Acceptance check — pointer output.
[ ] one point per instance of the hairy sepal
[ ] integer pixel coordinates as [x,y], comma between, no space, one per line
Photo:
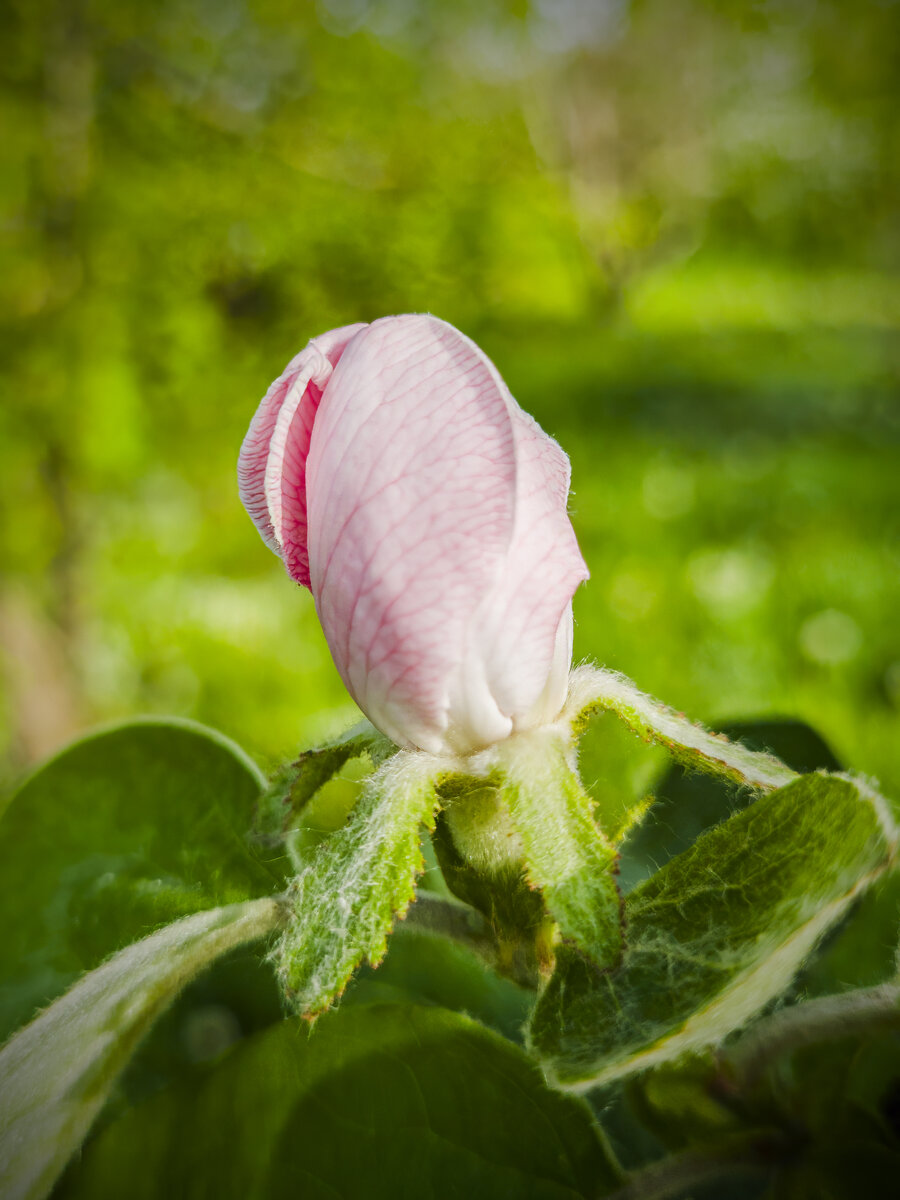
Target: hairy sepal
[344,901]
[595,689]
[295,784]
[566,855]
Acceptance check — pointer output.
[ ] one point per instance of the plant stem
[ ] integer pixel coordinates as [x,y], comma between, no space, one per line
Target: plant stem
[820,1020]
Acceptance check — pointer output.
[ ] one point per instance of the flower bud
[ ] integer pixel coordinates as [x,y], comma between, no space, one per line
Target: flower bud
[398,479]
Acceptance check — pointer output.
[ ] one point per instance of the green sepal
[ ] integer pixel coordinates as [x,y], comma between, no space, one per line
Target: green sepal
[503,895]
[718,932]
[481,860]
[294,784]
[343,903]
[595,689]
[566,855]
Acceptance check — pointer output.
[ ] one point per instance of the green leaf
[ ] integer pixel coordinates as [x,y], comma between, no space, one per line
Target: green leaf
[375,1102]
[593,689]
[239,995]
[123,831]
[343,903]
[718,932]
[566,855]
[295,784]
[56,1073]
[233,998]
[686,803]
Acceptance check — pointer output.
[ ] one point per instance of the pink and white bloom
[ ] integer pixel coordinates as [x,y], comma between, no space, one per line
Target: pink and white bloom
[397,478]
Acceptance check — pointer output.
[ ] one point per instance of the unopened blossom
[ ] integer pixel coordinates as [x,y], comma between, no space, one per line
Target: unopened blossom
[397,478]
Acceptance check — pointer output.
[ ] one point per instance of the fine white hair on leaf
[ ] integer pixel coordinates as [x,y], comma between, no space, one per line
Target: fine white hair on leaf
[881,806]
[345,900]
[732,1008]
[57,1072]
[719,932]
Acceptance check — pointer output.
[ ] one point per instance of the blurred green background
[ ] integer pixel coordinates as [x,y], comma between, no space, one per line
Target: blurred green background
[672,224]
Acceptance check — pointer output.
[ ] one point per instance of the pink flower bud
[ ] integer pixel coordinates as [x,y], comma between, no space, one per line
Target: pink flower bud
[398,479]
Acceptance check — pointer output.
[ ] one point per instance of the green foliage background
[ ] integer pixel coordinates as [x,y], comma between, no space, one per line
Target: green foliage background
[672,223]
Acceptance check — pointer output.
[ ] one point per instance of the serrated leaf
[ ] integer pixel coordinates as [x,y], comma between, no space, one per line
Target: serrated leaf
[592,689]
[718,932]
[56,1073]
[380,1102]
[344,902]
[567,856]
[127,829]
[295,784]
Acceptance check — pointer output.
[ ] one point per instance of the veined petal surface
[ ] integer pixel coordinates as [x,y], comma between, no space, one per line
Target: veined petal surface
[272,462]
[441,556]
[525,625]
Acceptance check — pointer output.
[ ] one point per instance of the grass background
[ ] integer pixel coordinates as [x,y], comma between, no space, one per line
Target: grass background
[672,224]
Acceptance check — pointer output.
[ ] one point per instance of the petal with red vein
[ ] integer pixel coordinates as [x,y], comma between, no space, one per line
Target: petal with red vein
[272,462]
[412,485]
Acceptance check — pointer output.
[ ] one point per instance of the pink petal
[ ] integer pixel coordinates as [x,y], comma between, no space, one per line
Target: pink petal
[272,462]
[440,553]
[519,624]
